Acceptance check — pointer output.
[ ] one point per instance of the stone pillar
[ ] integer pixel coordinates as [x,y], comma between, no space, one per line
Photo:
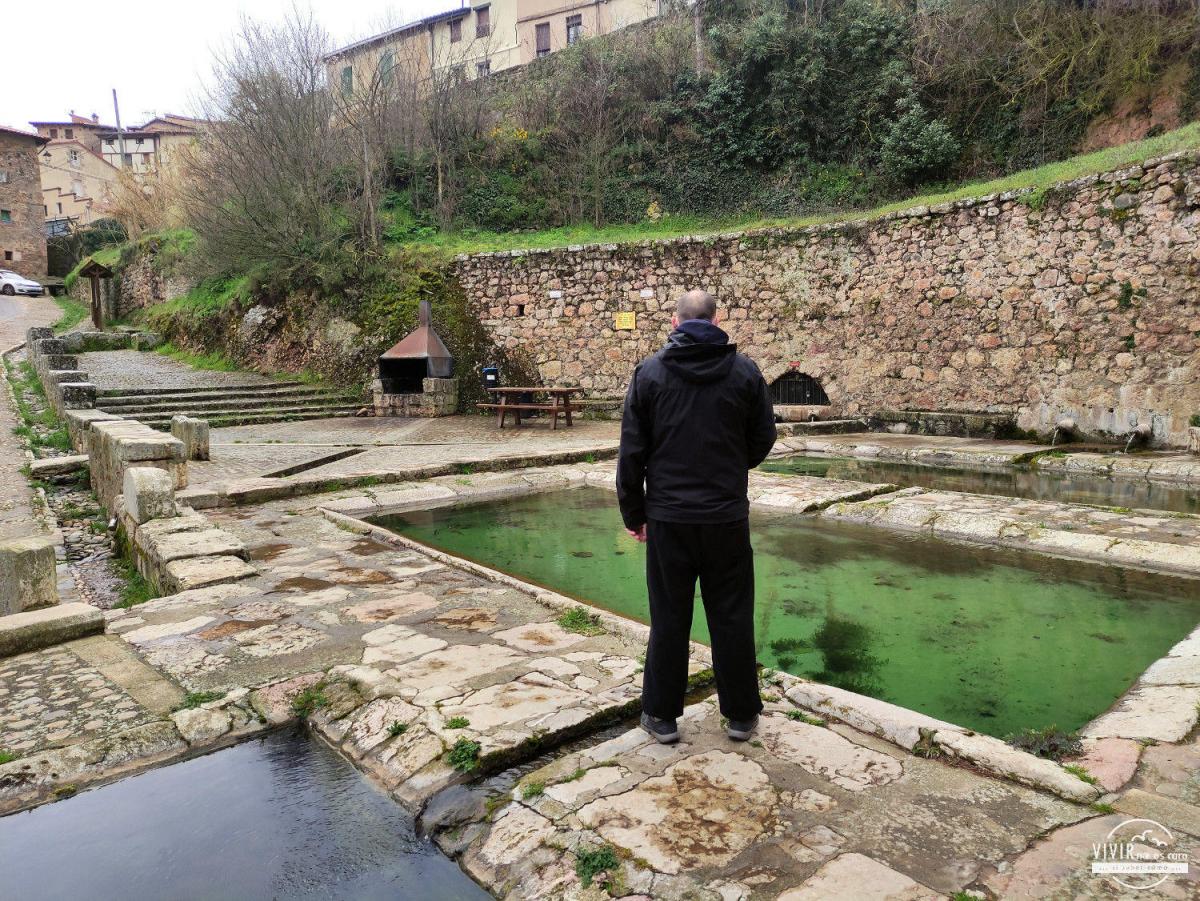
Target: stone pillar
[36,333]
[76,396]
[194,435]
[114,447]
[28,578]
[149,494]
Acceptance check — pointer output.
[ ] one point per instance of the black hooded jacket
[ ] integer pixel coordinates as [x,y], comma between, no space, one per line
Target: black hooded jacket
[697,419]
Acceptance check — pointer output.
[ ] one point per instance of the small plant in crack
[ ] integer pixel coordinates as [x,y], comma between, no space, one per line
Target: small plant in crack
[194,699]
[1051,743]
[464,756]
[591,862]
[800,716]
[1079,772]
[925,746]
[457,722]
[533,789]
[582,621]
[309,701]
[397,728]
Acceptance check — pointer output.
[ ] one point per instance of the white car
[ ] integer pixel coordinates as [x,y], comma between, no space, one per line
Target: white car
[11,283]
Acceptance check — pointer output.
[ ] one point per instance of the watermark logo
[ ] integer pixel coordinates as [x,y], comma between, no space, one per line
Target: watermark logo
[1139,854]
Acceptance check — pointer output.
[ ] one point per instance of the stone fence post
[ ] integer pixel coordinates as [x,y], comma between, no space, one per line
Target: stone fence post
[28,577]
[115,446]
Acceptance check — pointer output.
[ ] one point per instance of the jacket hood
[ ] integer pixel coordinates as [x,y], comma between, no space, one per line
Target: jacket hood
[698,351]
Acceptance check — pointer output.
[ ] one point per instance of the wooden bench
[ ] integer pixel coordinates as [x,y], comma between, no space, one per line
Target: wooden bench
[558,405]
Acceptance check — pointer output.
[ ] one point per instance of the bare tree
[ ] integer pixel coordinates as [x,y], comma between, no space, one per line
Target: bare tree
[267,184]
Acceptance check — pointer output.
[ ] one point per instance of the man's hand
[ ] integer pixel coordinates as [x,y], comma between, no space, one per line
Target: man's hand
[638,534]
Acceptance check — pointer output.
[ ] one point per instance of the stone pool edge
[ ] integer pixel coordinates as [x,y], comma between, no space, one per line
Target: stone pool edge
[909,729]
[1177,470]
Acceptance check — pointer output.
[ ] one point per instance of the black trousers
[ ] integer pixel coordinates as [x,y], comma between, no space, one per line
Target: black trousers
[721,557]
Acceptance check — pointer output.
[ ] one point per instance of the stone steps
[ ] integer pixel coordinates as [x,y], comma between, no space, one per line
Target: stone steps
[199,407]
[237,405]
[224,418]
[262,387]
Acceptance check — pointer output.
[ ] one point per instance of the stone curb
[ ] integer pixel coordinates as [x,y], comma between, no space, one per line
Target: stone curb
[36,629]
[926,736]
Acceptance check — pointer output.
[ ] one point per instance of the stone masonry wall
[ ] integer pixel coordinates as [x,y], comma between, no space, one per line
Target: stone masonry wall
[1080,301]
[140,285]
[23,223]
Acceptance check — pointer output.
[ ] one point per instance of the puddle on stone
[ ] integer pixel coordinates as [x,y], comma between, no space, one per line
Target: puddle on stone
[277,817]
[991,639]
[302,583]
[269,551]
[1022,482]
[366,547]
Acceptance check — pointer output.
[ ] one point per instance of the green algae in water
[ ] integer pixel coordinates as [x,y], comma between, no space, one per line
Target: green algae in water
[1024,482]
[992,640]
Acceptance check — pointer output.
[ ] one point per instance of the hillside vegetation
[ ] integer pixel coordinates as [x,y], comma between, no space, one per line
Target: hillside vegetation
[770,112]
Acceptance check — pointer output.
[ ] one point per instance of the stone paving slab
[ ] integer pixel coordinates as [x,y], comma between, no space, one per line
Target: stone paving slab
[711,818]
[1058,866]
[1161,542]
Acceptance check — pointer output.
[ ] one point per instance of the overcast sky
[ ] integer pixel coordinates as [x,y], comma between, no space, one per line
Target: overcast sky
[70,54]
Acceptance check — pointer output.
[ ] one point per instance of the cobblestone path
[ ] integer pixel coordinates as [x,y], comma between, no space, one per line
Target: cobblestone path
[16,515]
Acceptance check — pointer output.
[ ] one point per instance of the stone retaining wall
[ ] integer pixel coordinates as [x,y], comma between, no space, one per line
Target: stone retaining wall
[173,547]
[140,284]
[1078,301]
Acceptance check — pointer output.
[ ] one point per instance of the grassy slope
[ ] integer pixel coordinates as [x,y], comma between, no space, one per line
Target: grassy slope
[1185,138]
[73,312]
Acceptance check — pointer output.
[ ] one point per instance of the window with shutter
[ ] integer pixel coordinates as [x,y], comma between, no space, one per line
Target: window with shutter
[543,38]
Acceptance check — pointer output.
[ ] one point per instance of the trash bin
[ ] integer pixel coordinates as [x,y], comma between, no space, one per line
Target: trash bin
[491,376]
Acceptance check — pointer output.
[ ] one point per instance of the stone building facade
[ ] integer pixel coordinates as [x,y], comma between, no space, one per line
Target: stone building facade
[22,219]
[1082,300]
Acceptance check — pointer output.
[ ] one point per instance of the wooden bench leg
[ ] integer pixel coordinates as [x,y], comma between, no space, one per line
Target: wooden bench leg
[500,414]
[567,410]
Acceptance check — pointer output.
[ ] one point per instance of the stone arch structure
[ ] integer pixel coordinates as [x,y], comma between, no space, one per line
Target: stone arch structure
[794,387]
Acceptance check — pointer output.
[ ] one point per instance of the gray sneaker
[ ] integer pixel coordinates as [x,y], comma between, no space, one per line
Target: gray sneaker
[665,732]
[740,730]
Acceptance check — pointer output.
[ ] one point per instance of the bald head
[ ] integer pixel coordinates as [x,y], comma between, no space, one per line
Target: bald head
[696,304]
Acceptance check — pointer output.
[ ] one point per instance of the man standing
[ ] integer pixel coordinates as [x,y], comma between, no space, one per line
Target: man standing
[697,418]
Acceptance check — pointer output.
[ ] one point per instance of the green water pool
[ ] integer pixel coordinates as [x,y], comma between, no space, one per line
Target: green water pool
[1010,482]
[993,640]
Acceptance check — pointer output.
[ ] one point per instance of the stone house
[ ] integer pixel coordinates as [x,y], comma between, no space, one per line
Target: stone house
[76,181]
[480,38]
[22,219]
[150,146]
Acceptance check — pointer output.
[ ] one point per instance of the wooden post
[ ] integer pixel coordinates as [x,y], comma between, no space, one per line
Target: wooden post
[97,306]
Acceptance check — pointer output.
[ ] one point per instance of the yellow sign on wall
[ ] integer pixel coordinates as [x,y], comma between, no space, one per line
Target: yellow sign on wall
[625,320]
